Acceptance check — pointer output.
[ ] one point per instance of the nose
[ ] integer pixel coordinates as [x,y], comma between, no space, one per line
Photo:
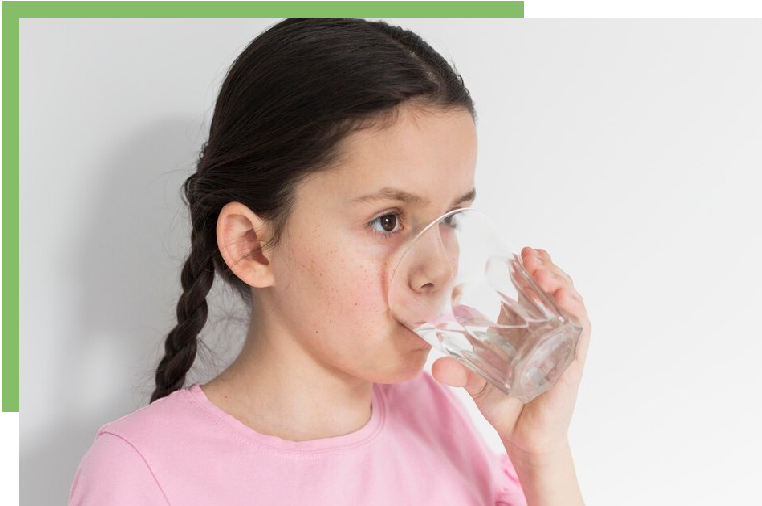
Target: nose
[433,264]
[421,286]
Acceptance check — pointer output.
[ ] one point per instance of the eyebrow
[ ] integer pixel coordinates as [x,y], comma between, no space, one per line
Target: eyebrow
[398,195]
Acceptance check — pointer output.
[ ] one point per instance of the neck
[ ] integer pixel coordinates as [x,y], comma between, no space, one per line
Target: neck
[276,388]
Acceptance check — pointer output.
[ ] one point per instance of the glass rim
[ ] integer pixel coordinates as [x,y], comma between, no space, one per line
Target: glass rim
[431,224]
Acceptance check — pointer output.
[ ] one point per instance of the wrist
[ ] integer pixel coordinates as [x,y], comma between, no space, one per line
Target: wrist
[542,456]
[547,478]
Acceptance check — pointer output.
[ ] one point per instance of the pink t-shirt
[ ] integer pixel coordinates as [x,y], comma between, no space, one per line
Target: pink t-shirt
[419,447]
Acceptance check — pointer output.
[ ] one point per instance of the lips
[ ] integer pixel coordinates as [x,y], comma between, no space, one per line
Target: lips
[416,337]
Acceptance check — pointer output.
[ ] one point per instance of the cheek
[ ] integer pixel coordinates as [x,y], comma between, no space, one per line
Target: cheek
[333,279]
[354,285]
[346,283]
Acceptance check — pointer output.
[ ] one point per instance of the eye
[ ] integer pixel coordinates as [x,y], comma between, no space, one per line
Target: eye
[388,223]
[452,220]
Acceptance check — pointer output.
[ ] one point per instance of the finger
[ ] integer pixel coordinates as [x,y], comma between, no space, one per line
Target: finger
[566,297]
[542,261]
[562,291]
[547,262]
[526,292]
[577,310]
[566,300]
[534,264]
[449,371]
[549,281]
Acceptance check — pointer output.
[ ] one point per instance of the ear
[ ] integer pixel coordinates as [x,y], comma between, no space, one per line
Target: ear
[240,235]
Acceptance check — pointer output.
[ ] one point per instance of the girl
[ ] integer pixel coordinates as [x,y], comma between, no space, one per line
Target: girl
[330,140]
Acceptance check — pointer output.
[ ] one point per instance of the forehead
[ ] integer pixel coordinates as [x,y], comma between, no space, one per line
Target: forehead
[426,152]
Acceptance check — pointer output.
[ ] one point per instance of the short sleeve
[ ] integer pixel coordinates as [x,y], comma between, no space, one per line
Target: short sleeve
[114,473]
[509,491]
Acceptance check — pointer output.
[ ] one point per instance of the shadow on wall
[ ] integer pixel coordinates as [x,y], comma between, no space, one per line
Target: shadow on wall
[125,282]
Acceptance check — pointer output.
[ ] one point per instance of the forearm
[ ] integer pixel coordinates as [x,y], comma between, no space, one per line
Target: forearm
[549,480]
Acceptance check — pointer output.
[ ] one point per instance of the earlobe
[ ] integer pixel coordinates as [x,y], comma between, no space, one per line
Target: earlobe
[240,235]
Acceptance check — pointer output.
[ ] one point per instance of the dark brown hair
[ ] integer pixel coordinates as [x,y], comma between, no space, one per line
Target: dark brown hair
[290,97]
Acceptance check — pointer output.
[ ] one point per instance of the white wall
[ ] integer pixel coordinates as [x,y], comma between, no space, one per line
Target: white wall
[629,149]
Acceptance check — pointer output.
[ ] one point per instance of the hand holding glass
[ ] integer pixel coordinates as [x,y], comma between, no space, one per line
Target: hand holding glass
[459,287]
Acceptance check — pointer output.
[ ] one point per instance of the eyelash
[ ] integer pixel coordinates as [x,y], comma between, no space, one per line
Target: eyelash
[399,216]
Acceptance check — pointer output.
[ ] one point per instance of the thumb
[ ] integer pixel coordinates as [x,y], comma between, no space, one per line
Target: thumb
[499,410]
[450,372]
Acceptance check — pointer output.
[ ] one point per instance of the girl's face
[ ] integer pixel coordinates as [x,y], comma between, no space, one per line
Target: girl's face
[350,224]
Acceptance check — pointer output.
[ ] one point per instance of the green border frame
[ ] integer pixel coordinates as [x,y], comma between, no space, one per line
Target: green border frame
[14,11]
[475,9]
[279,9]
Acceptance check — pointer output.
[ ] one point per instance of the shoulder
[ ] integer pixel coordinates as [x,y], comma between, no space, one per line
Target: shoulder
[153,425]
[120,465]
[114,472]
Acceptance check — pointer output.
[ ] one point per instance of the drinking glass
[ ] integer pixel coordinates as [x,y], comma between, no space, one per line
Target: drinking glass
[462,289]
